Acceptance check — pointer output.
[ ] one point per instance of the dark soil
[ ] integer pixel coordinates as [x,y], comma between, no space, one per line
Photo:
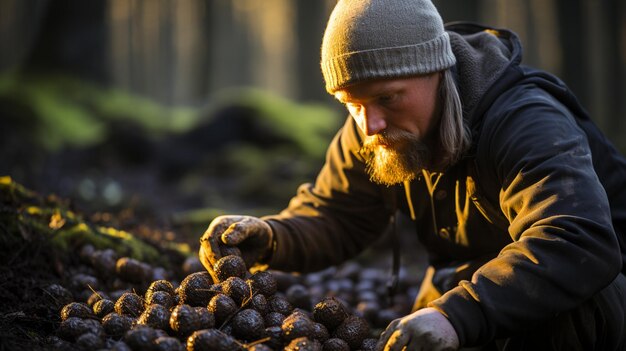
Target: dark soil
[31,261]
[27,312]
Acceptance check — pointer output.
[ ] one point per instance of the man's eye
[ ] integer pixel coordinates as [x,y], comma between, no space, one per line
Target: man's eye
[385,99]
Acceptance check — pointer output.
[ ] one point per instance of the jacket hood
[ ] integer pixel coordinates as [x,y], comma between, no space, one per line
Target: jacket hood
[483,56]
[489,63]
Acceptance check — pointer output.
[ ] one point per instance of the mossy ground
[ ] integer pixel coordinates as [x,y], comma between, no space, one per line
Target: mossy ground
[39,240]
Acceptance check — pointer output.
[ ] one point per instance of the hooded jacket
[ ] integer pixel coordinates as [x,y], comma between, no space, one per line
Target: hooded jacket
[529,224]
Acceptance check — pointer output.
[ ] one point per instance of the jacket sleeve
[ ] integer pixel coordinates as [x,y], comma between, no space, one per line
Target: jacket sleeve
[336,218]
[564,248]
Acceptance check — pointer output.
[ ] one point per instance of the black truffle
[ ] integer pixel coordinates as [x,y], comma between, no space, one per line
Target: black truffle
[330,312]
[194,289]
[230,266]
[248,325]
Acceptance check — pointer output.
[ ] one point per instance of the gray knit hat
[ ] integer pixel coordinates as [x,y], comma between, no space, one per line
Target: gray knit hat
[369,39]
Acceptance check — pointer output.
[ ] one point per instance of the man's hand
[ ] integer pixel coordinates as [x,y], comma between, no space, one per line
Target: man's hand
[251,235]
[425,329]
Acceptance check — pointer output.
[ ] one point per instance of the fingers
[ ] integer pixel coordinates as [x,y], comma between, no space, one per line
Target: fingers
[425,329]
[235,234]
[384,337]
[242,230]
[250,235]
[417,345]
[210,250]
[210,242]
[398,340]
[203,255]
[220,224]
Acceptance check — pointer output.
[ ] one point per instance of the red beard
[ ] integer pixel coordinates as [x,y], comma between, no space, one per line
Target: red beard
[395,156]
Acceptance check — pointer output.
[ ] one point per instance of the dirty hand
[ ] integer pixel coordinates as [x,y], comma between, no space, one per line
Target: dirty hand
[425,329]
[251,235]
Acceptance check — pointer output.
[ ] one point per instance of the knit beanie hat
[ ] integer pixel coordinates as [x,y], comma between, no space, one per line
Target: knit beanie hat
[371,39]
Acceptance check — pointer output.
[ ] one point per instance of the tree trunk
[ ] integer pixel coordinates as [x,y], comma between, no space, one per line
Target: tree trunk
[72,39]
[310,24]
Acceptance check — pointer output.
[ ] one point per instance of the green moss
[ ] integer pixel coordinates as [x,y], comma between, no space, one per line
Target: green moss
[118,104]
[12,191]
[72,112]
[33,215]
[64,122]
[310,126]
[76,235]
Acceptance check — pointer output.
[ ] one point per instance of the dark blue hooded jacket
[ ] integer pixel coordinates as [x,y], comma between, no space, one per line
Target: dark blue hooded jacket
[528,224]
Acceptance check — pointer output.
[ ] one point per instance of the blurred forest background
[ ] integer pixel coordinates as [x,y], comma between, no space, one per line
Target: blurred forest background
[179,110]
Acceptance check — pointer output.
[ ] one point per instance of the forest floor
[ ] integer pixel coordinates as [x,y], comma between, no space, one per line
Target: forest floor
[40,238]
[42,244]
[42,235]
[147,199]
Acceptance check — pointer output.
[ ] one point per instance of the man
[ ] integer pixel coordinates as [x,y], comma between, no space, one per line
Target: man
[518,198]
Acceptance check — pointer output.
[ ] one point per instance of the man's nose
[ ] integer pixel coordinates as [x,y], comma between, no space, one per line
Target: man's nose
[374,122]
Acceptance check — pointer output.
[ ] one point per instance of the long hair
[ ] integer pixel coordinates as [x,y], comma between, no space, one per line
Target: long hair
[454,135]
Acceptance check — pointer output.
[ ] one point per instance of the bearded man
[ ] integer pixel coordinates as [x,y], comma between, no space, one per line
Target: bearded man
[518,198]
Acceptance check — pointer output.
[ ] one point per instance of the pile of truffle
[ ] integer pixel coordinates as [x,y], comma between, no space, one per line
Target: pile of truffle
[240,311]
